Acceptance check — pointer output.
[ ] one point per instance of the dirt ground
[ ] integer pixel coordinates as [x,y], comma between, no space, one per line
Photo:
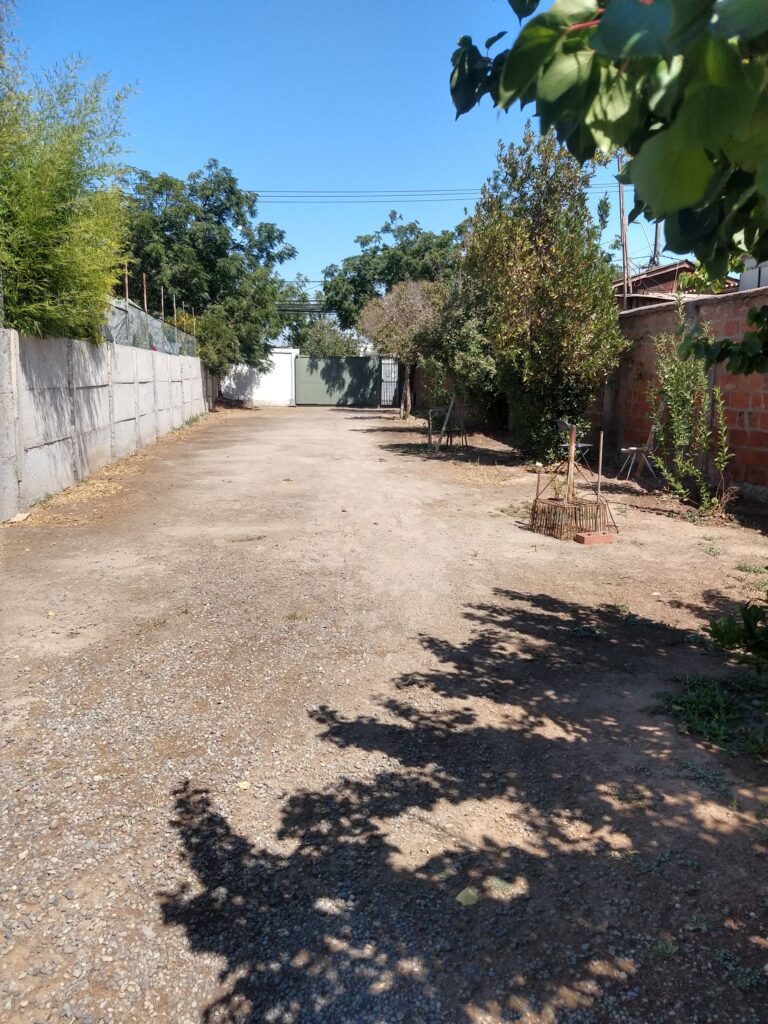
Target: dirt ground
[300,724]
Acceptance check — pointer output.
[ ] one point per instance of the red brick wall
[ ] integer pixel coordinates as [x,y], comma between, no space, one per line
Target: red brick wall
[622,409]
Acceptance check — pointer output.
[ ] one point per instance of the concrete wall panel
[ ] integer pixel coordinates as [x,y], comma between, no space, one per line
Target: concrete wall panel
[91,409]
[7,428]
[162,394]
[124,401]
[44,415]
[163,421]
[146,398]
[145,366]
[125,438]
[90,365]
[46,470]
[68,408]
[43,363]
[123,367]
[147,428]
[94,450]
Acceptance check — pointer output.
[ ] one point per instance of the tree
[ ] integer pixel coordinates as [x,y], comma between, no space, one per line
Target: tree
[323,337]
[200,240]
[62,231]
[542,289]
[218,346]
[399,324]
[396,252]
[456,356]
[681,86]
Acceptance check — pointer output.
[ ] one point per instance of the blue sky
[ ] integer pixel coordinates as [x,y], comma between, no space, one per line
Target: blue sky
[295,95]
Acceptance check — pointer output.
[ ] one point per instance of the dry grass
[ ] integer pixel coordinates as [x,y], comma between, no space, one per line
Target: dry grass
[478,473]
[83,502]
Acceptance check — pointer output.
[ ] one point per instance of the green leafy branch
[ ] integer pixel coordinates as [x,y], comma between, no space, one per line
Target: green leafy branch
[745,633]
[681,86]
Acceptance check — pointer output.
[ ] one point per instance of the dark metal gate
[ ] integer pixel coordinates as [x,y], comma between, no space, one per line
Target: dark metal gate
[390,383]
[363,381]
[338,380]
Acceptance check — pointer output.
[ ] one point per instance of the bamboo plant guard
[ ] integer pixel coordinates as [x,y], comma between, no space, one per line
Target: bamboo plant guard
[564,517]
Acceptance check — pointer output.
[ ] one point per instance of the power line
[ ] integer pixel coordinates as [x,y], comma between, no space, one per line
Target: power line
[366,191]
[382,195]
[385,199]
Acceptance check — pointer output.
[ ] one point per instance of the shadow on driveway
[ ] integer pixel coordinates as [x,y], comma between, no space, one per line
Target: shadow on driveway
[607,874]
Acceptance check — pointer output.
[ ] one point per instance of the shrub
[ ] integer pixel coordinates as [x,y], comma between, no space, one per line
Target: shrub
[745,633]
[62,225]
[684,409]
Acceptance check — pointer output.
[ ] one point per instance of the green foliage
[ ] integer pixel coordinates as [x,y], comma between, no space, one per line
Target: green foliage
[745,633]
[200,240]
[747,356]
[682,407]
[62,232]
[541,289]
[218,346]
[395,253]
[681,86]
[456,355]
[730,712]
[700,280]
[323,337]
[400,324]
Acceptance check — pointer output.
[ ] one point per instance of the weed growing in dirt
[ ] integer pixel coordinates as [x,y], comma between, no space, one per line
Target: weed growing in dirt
[665,948]
[753,569]
[714,780]
[619,609]
[746,633]
[742,976]
[732,713]
[588,632]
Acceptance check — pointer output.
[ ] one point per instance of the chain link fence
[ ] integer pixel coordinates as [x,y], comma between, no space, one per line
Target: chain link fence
[132,326]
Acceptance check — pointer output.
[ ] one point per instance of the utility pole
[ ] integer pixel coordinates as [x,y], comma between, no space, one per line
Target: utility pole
[656,258]
[127,306]
[162,303]
[144,286]
[624,252]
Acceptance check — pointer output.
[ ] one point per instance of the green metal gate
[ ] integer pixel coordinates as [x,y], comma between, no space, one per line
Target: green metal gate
[338,380]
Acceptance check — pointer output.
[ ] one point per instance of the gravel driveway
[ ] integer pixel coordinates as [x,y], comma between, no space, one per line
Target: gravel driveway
[300,726]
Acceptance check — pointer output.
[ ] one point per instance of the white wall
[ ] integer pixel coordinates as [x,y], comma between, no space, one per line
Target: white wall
[277,386]
[68,407]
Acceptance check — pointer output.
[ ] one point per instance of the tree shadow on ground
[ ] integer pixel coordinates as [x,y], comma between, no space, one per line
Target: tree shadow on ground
[605,877]
[478,455]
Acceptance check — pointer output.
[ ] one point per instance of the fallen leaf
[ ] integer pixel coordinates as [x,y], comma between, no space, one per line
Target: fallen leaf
[468,897]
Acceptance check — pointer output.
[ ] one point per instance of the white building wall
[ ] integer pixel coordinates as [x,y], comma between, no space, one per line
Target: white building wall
[276,386]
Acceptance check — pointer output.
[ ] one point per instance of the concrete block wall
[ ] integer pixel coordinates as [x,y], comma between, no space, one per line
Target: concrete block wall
[624,411]
[68,407]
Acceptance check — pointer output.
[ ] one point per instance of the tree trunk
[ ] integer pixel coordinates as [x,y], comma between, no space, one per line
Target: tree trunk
[405,399]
